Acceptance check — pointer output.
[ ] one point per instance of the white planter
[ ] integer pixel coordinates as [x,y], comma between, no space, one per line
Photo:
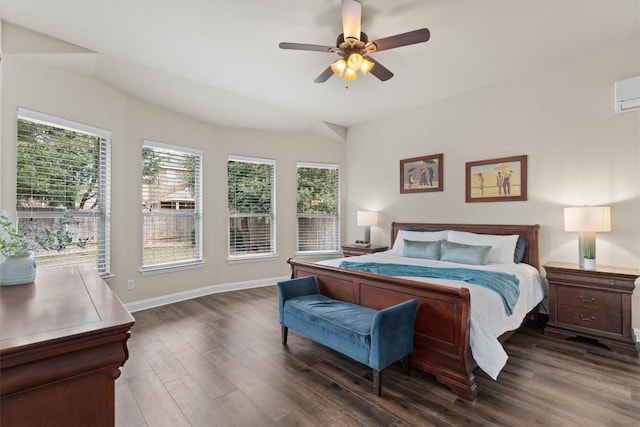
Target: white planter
[589,264]
[17,270]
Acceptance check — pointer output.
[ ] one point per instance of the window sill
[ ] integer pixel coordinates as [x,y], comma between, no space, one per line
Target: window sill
[251,258]
[160,269]
[320,254]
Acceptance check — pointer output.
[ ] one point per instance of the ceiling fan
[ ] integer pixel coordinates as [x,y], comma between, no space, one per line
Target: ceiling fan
[354,47]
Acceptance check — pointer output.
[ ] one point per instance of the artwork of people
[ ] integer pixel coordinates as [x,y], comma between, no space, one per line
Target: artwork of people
[497,179]
[421,174]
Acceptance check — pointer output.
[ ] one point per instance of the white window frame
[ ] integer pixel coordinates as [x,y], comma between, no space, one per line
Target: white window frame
[103,265]
[198,260]
[337,217]
[263,256]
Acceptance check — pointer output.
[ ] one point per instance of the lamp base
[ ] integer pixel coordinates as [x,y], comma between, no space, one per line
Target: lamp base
[367,234]
[586,246]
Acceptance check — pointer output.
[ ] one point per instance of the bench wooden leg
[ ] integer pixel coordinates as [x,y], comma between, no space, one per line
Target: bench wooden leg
[377,382]
[284,332]
[406,365]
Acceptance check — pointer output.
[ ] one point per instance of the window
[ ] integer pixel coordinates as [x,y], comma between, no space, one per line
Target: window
[251,198]
[171,206]
[170,177]
[318,199]
[63,183]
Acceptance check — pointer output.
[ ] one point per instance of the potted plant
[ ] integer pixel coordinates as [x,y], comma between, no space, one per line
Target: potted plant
[589,258]
[18,268]
[17,245]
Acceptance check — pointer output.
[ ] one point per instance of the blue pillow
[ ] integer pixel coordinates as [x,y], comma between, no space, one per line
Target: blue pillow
[464,254]
[424,250]
[521,247]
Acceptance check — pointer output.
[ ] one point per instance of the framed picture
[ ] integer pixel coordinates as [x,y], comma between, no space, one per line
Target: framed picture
[421,174]
[497,180]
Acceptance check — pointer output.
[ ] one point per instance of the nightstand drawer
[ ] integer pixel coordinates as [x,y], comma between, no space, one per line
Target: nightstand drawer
[590,280]
[588,298]
[354,251]
[357,250]
[592,319]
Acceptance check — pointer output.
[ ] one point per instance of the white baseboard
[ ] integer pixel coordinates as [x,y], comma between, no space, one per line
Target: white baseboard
[200,292]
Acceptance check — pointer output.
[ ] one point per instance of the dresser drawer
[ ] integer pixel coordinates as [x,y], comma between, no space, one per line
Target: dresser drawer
[589,318]
[588,298]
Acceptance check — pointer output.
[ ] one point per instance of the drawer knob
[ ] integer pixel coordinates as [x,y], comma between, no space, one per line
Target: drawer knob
[587,318]
[613,282]
[587,300]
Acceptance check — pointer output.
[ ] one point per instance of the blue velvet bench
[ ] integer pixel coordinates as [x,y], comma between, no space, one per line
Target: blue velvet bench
[376,338]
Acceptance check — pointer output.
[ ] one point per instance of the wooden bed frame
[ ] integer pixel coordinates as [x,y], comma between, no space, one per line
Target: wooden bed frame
[441,344]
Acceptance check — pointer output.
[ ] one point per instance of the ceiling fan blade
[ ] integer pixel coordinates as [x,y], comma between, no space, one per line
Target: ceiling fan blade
[324,76]
[404,39]
[379,70]
[351,18]
[303,46]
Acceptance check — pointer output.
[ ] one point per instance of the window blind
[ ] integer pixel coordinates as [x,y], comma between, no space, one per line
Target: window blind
[171,206]
[251,206]
[318,207]
[63,186]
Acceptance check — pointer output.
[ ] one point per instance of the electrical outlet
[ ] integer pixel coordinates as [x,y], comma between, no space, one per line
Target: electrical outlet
[131,284]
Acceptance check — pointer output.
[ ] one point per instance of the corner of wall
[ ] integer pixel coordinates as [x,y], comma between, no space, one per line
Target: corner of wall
[331,130]
[1,84]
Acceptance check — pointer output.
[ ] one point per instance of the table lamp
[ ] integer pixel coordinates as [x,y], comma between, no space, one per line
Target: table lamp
[587,220]
[367,219]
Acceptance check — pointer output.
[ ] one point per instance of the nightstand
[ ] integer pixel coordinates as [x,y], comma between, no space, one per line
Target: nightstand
[355,250]
[594,304]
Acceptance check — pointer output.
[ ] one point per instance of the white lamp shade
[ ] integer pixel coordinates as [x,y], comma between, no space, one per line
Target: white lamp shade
[366,66]
[367,218]
[350,74]
[339,66]
[355,61]
[587,218]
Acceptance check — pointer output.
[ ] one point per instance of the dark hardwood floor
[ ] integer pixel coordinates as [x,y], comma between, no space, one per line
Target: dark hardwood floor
[218,361]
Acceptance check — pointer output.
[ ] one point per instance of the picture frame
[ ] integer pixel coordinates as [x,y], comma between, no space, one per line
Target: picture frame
[421,174]
[497,180]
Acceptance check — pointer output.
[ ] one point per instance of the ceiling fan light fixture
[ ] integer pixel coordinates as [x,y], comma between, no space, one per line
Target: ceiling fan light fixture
[355,61]
[339,67]
[350,74]
[353,47]
[366,66]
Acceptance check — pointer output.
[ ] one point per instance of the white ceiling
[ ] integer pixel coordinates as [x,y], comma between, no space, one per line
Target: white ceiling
[219,61]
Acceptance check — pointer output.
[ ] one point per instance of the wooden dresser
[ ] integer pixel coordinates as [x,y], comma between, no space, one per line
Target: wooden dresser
[593,304]
[63,340]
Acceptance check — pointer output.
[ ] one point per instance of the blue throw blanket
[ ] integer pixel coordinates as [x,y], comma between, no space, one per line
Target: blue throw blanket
[504,284]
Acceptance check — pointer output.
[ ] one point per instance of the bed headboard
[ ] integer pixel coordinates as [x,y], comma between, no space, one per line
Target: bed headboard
[528,232]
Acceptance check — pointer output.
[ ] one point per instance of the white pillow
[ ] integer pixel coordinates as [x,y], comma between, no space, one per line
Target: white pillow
[416,236]
[502,247]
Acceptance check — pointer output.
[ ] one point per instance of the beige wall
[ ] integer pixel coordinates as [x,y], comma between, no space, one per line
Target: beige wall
[82,99]
[579,152]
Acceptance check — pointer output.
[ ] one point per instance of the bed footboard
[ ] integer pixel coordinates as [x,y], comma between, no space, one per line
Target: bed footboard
[441,341]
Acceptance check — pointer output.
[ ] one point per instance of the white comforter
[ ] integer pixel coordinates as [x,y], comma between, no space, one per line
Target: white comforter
[488,317]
